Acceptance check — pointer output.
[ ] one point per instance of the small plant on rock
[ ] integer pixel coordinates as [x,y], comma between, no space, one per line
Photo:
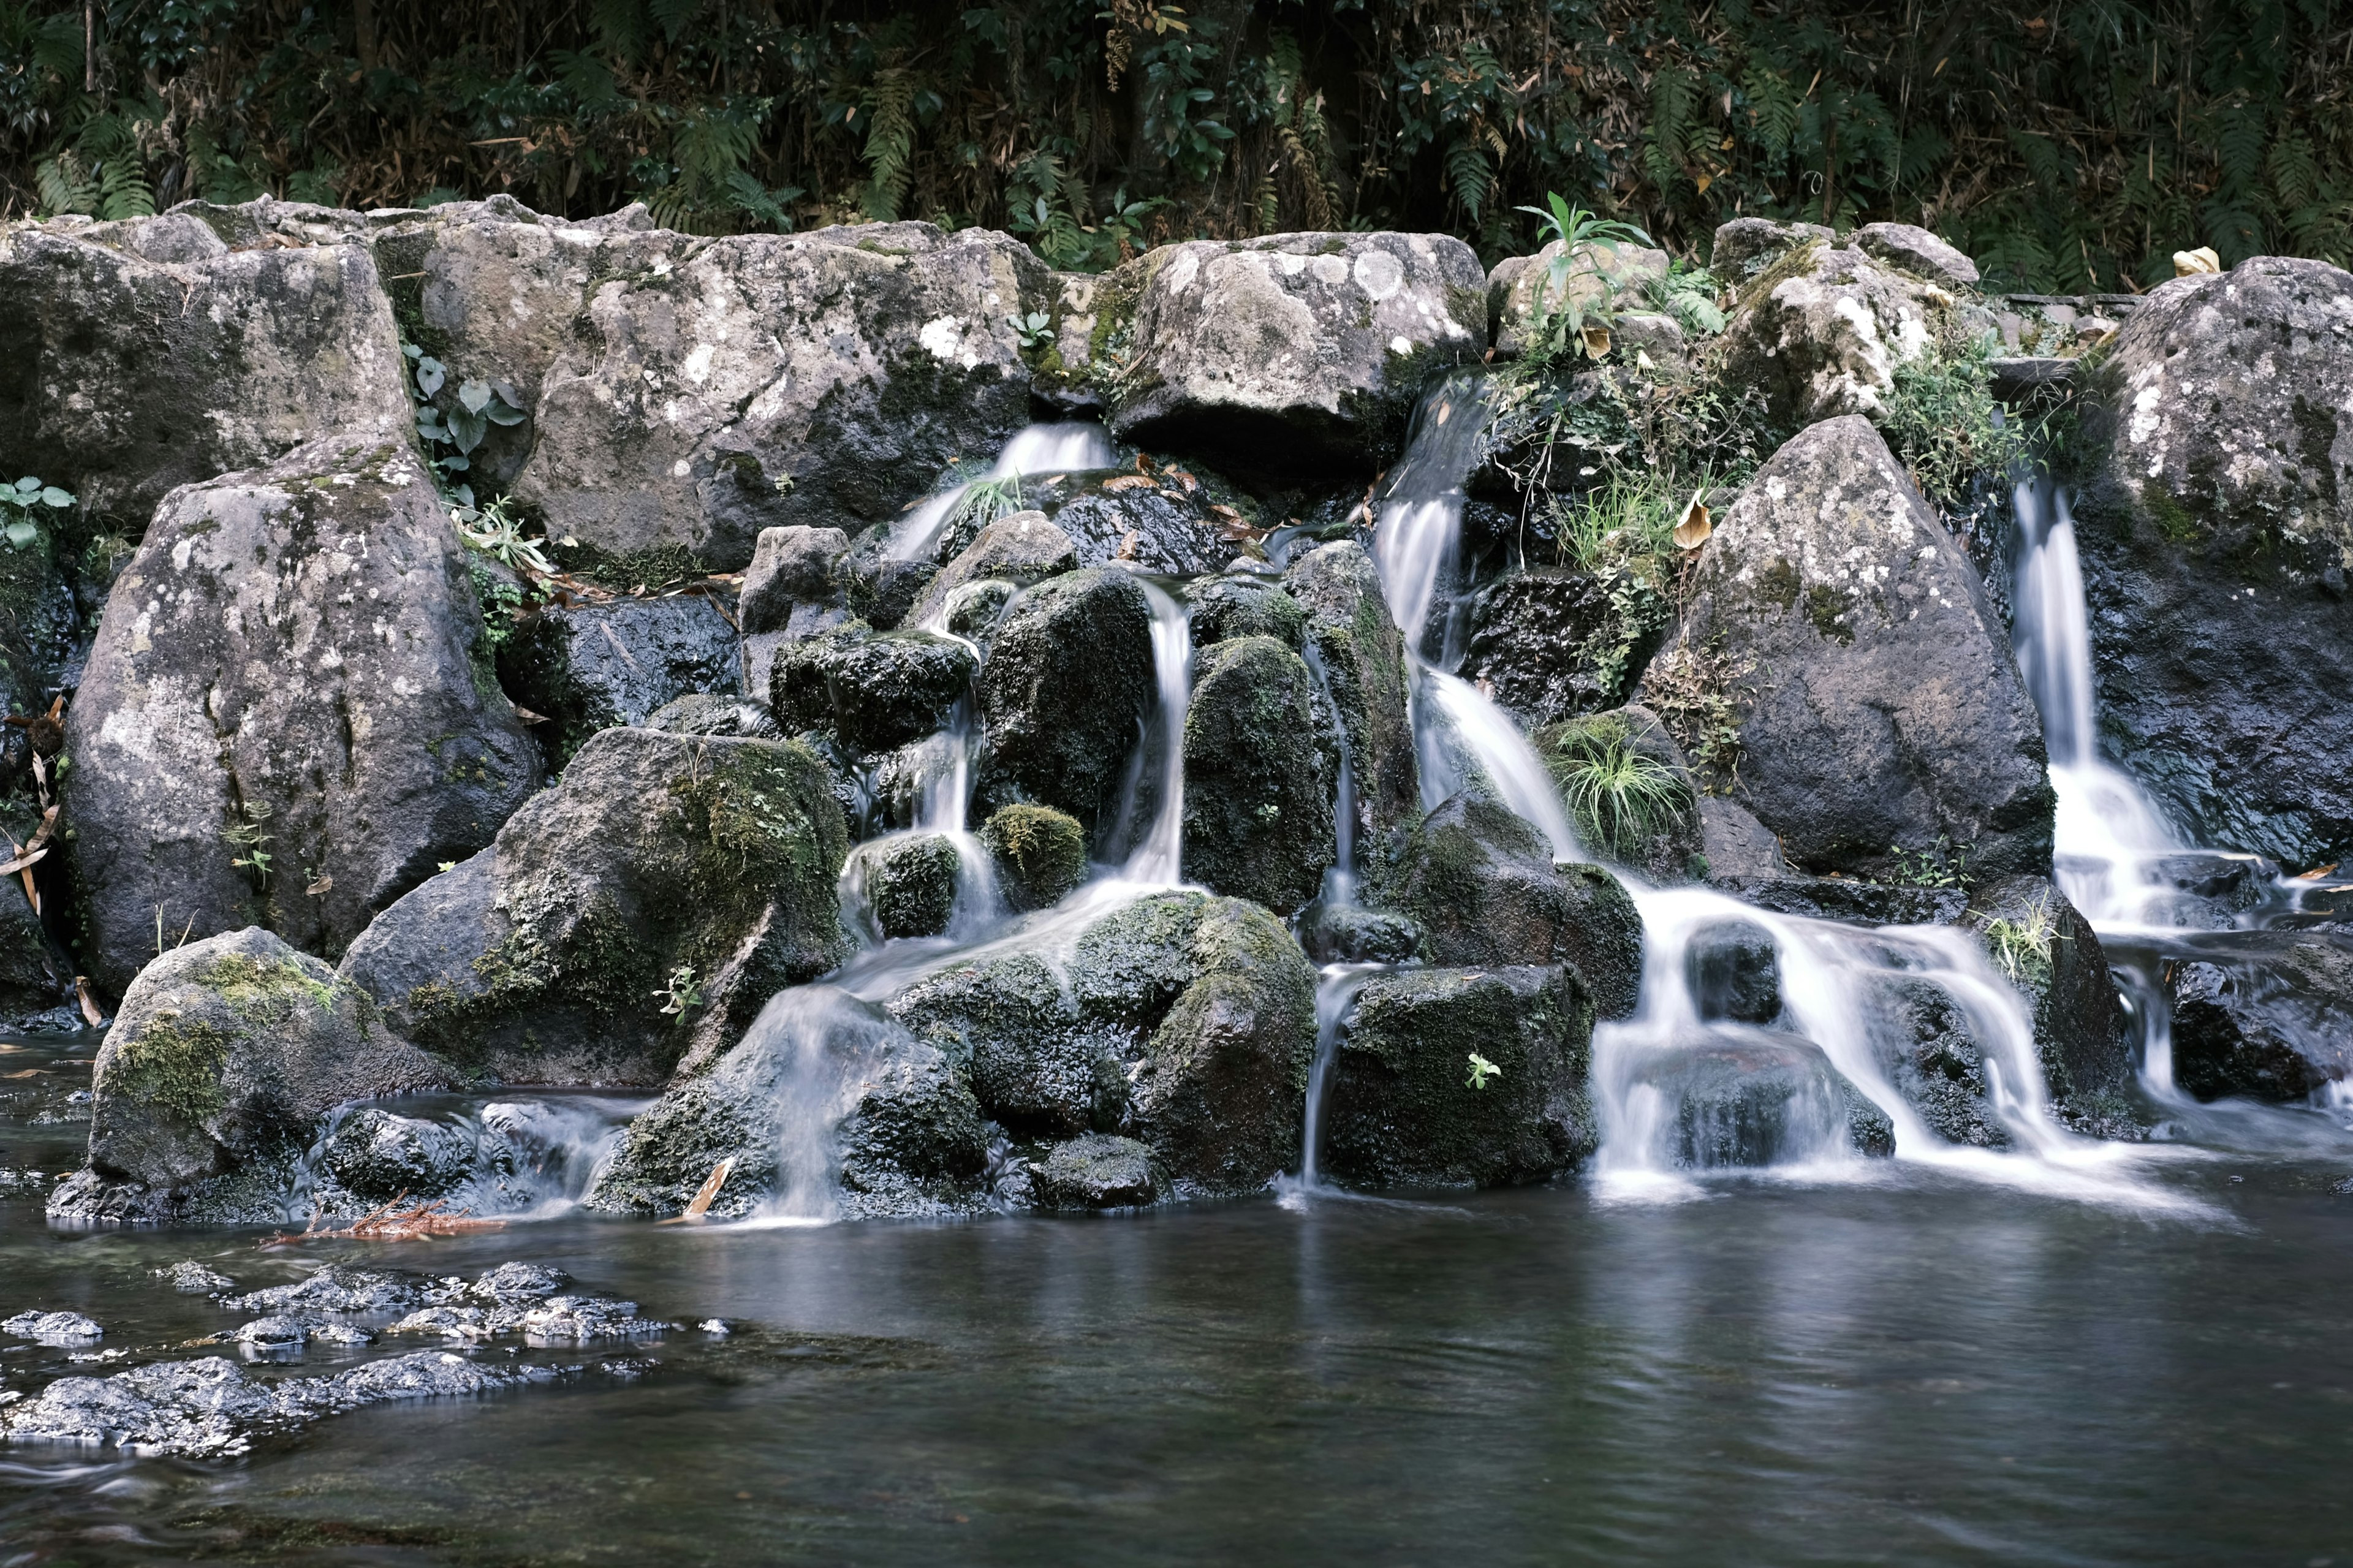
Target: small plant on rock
[1939,866]
[2021,943]
[1695,690]
[23,508]
[1482,1071]
[1572,323]
[683,991]
[251,840]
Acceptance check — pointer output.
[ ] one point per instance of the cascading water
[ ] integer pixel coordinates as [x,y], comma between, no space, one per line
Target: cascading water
[1067,446]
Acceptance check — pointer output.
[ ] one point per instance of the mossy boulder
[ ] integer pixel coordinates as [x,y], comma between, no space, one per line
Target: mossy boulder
[1038,1065]
[910,882]
[289,717]
[1067,684]
[1096,1172]
[1258,788]
[1240,605]
[1040,853]
[1018,550]
[824,1106]
[1483,886]
[1362,652]
[868,691]
[586,668]
[551,957]
[1403,1110]
[222,1056]
[1820,331]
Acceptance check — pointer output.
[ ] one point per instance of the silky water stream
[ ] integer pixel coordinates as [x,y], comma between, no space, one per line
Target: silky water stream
[1780,1351]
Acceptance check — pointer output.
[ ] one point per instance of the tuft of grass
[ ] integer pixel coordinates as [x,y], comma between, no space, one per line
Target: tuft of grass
[1619,797]
[2022,944]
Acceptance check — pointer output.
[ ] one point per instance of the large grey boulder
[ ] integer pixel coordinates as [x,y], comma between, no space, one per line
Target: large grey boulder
[1065,691]
[1257,787]
[1919,252]
[2271,1019]
[287,718]
[825,1107]
[1822,330]
[127,376]
[1892,716]
[222,1056]
[2216,533]
[761,381]
[1402,1109]
[1744,246]
[1362,655]
[1483,886]
[1295,349]
[586,668]
[648,905]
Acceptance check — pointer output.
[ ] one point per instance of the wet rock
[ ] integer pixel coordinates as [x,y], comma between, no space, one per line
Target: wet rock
[1521,291]
[191,1277]
[587,668]
[1532,646]
[1735,846]
[1401,1110]
[1347,934]
[1036,1066]
[512,1282]
[223,1053]
[1295,349]
[1097,1172]
[336,1288]
[378,1156]
[1822,329]
[1040,853]
[2273,1021]
[882,589]
[870,691]
[2216,534]
[129,375]
[762,380]
[587,1319]
[1227,608]
[911,883]
[289,675]
[1923,1040]
[1849,901]
[1258,795]
[288,1333]
[1895,716]
[2045,947]
[1919,252]
[1156,526]
[1746,245]
[1067,684]
[820,1073]
[552,956]
[733,718]
[1020,548]
[1483,887]
[1363,657]
[1759,1098]
[211,1408]
[36,989]
[53,1328]
[1732,971]
[794,585]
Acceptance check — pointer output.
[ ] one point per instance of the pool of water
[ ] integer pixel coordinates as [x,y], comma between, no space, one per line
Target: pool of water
[1913,1368]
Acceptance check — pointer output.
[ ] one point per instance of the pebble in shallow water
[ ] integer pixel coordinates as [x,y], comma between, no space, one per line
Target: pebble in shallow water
[292,1331]
[53,1328]
[194,1277]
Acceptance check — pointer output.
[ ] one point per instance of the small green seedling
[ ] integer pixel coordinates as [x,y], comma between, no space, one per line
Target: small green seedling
[1481,1069]
[684,991]
[19,505]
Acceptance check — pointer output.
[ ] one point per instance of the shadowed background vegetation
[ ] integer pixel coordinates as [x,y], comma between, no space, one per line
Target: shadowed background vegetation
[2068,144]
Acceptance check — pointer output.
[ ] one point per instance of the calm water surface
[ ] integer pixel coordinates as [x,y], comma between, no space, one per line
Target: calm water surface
[1917,1370]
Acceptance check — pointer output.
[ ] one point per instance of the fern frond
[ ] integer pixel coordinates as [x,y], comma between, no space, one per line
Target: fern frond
[66,185]
[123,191]
[1466,172]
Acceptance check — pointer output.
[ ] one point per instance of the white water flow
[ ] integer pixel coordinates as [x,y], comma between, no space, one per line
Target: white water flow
[816,1047]
[2110,835]
[1417,543]
[1065,446]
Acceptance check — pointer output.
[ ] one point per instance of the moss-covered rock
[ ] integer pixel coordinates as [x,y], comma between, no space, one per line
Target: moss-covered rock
[222,1056]
[824,1106]
[1018,549]
[910,883]
[1258,790]
[1483,887]
[1068,683]
[1096,1172]
[1363,657]
[1039,1066]
[1226,608]
[655,899]
[871,690]
[1403,1109]
[1040,853]
[1754,1098]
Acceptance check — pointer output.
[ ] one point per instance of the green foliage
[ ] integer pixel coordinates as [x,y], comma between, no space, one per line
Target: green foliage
[683,990]
[452,421]
[248,837]
[1696,691]
[497,533]
[2021,943]
[1944,424]
[2072,149]
[23,506]
[1941,864]
[1482,1071]
[1618,797]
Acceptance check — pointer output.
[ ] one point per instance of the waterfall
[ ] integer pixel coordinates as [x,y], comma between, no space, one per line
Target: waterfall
[1158,861]
[1417,544]
[817,1044]
[1065,446]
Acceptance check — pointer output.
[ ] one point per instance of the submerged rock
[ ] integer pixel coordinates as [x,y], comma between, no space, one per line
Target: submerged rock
[1040,853]
[1295,349]
[223,1056]
[149,355]
[1894,718]
[587,668]
[650,902]
[1401,1107]
[2273,1021]
[288,719]
[1485,890]
[1067,684]
[53,1328]
[1753,1098]
[1258,791]
[2216,535]
[767,380]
